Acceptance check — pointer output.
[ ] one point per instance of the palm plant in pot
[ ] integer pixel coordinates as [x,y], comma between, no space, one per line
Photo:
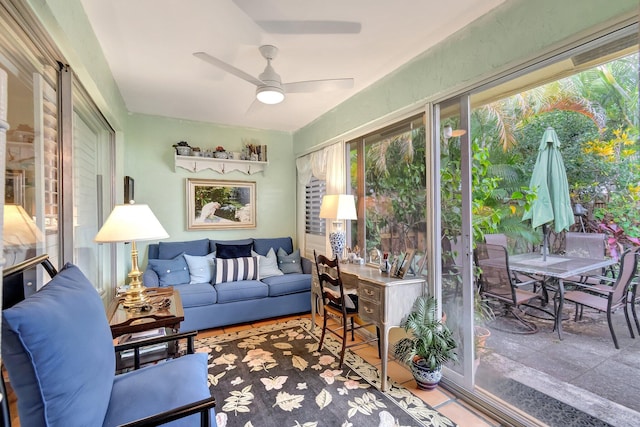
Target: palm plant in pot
[429,345]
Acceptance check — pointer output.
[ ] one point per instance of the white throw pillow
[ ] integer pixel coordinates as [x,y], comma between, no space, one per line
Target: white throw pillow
[268,265]
[201,268]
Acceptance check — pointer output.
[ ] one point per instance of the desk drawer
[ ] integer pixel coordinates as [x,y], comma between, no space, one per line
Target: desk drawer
[369,293]
[368,310]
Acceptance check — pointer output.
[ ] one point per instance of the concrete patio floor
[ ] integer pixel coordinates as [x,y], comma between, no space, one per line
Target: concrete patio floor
[583,370]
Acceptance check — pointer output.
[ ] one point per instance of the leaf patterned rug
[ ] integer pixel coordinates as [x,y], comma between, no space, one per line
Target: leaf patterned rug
[275,376]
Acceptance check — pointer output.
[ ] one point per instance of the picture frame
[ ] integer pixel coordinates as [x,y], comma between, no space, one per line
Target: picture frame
[405,264]
[128,190]
[216,204]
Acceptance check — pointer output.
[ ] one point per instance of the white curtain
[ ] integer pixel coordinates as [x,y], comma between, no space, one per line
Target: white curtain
[328,164]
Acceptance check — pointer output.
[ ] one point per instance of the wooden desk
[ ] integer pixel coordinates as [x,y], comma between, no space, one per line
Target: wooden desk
[382,300]
[124,321]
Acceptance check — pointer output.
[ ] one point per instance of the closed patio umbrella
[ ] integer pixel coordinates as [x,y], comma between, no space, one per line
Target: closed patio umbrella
[549,177]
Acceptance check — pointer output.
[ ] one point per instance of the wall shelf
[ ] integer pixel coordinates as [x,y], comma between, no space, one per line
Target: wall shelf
[196,164]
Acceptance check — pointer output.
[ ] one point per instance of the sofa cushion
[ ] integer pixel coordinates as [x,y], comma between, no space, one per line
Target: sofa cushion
[288,284]
[58,349]
[197,294]
[170,271]
[267,265]
[289,263]
[169,250]
[263,245]
[201,268]
[234,269]
[241,290]
[233,251]
[213,243]
[143,392]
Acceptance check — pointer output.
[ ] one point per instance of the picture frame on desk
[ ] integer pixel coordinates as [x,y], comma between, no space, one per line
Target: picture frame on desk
[405,265]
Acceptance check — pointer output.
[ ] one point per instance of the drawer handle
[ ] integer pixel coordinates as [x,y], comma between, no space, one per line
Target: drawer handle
[368,310]
[369,292]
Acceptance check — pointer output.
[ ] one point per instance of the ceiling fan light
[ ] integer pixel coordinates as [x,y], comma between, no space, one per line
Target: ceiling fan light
[270,94]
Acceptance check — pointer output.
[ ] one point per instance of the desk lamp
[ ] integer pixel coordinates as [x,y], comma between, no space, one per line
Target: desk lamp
[338,207]
[130,223]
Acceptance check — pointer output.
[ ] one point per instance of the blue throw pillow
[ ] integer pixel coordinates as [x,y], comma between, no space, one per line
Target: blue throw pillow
[289,263]
[233,251]
[201,268]
[267,265]
[58,350]
[171,271]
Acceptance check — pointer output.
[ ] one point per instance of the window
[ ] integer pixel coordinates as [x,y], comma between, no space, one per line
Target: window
[313,199]
[388,176]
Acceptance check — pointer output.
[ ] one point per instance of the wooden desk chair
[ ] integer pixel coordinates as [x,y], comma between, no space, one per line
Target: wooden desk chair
[340,303]
[609,299]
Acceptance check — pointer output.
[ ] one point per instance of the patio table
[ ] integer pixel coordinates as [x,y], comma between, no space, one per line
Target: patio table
[557,268]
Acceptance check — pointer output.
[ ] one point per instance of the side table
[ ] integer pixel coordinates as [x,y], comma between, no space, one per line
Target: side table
[165,312]
[169,315]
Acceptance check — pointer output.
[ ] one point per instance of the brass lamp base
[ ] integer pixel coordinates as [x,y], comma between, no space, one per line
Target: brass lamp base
[135,298]
[136,295]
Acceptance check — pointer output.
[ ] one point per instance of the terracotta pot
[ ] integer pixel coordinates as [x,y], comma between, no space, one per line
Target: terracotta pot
[480,335]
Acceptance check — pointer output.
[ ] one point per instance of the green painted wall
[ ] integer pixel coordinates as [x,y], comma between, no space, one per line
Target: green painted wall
[512,34]
[149,161]
[68,25]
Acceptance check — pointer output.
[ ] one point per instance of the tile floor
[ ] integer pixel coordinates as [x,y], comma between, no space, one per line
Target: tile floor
[439,399]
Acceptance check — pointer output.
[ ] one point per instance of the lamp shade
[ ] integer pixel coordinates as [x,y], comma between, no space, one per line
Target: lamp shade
[129,223]
[338,206]
[19,229]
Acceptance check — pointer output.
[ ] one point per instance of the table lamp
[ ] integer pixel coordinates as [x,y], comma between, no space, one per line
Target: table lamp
[338,207]
[19,231]
[130,223]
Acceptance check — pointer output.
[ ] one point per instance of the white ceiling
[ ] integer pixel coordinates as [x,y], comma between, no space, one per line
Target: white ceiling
[149,45]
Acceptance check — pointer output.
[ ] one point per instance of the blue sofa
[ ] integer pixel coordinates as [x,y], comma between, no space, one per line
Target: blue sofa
[216,303]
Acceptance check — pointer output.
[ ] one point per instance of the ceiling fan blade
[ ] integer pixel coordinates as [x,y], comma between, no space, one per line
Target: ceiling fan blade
[318,85]
[310,27]
[228,68]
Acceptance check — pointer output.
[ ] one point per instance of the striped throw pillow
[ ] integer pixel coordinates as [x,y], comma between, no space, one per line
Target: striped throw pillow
[233,269]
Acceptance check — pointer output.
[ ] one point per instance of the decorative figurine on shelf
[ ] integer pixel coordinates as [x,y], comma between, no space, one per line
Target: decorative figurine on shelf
[182,148]
[220,153]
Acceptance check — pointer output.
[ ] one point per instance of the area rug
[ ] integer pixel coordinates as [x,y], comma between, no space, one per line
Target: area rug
[275,376]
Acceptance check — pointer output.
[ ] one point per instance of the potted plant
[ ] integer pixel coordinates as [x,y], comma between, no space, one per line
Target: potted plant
[429,346]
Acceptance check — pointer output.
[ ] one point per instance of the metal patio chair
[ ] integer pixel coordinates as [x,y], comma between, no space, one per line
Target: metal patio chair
[609,299]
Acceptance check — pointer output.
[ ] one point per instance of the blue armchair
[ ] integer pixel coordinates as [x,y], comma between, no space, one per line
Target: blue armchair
[59,354]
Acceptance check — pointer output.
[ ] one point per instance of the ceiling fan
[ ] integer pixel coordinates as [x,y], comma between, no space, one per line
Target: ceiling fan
[269,86]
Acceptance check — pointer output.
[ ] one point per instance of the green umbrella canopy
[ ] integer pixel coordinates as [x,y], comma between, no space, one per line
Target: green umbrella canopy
[549,177]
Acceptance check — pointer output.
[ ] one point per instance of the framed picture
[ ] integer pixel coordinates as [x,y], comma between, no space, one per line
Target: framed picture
[406,263]
[128,190]
[213,204]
